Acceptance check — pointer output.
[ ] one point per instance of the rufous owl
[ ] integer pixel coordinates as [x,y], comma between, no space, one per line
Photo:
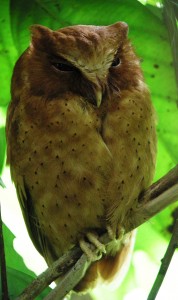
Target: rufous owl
[81,141]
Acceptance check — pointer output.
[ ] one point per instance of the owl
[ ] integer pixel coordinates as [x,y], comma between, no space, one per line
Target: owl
[81,142]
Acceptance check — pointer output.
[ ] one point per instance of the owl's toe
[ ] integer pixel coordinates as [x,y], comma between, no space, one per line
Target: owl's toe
[111,232]
[94,239]
[93,248]
[115,233]
[120,232]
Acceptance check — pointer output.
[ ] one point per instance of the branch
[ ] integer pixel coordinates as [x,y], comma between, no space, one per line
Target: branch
[157,197]
[72,277]
[58,268]
[73,264]
[165,263]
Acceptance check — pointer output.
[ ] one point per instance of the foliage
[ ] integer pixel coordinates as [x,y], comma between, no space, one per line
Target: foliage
[18,276]
[150,38]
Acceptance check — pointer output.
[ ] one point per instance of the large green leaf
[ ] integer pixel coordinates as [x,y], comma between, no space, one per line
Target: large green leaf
[2,147]
[13,259]
[17,282]
[19,277]
[8,53]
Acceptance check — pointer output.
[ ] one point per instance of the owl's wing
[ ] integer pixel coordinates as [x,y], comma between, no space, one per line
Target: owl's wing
[39,240]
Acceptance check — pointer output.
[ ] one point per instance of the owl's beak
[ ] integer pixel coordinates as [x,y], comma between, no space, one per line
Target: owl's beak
[97,87]
[98,95]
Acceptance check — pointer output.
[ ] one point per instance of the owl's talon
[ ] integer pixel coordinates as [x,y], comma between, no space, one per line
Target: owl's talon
[115,235]
[120,232]
[92,253]
[86,248]
[111,233]
[93,238]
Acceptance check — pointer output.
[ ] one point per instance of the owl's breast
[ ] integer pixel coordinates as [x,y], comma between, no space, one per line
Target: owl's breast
[82,171]
[66,165]
[130,135]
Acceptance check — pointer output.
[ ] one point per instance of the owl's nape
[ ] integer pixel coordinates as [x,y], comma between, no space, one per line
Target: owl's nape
[81,142]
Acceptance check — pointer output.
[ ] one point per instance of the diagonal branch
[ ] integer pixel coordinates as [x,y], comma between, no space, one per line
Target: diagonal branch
[76,273]
[58,268]
[157,197]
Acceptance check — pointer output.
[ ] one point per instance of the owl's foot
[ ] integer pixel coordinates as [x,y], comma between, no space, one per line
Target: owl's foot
[111,232]
[118,234]
[93,253]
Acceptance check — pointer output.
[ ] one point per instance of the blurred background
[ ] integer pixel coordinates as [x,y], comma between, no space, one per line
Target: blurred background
[153,30]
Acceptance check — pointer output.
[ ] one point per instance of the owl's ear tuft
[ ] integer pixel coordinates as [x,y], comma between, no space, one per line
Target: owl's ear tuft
[40,36]
[120,27]
[124,27]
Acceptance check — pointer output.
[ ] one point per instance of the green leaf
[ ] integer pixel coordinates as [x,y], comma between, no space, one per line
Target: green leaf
[13,259]
[18,275]
[2,147]
[8,53]
[18,281]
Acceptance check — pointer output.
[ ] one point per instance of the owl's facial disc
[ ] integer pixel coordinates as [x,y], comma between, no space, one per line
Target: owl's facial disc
[87,60]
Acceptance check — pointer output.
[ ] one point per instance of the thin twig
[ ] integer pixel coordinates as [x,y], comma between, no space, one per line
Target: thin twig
[170,21]
[3,272]
[165,263]
[157,197]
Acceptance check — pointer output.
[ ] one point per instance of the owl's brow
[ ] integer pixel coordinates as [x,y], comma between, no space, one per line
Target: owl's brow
[59,59]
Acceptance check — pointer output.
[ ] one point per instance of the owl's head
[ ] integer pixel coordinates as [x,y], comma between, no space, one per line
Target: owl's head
[91,61]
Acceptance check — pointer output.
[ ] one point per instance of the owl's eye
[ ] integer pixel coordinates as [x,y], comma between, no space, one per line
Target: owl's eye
[65,67]
[116,62]
[61,64]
